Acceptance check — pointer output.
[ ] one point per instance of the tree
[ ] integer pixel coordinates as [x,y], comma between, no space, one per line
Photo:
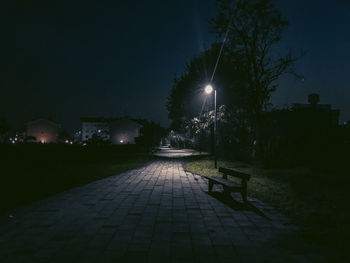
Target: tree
[97,139]
[4,130]
[254,27]
[151,134]
[63,135]
[186,96]
[234,132]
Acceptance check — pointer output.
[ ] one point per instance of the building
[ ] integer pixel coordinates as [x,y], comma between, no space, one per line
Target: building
[113,130]
[302,119]
[315,113]
[95,126]
[42,130]
[77,137]
[124,131]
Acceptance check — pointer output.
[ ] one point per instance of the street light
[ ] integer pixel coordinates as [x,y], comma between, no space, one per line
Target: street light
[209,89]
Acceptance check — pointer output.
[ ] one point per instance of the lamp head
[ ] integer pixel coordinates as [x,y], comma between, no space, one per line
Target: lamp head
[208,89]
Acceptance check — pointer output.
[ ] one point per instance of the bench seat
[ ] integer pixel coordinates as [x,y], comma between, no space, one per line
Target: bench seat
[230,186]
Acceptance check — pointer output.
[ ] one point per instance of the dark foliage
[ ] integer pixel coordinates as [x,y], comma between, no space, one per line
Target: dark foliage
[245,78]
[309,136]
[4,130]
[254,27]
[151,134]
[187,94]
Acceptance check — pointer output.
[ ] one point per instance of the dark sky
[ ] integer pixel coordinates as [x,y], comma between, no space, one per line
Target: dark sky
[322,29]
[111,58]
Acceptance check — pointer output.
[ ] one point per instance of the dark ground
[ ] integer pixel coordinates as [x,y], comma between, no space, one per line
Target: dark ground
[30,172]
[316,199]
[154,213]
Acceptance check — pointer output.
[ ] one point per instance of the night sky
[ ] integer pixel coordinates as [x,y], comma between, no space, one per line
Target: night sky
[114,58]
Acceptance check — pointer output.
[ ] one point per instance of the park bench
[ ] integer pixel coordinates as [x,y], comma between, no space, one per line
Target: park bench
[230,186]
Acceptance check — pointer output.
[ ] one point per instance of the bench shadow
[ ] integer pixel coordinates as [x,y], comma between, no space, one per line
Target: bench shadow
[236,205]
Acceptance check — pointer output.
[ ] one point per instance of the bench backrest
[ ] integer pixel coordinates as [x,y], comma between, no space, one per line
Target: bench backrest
[234,172]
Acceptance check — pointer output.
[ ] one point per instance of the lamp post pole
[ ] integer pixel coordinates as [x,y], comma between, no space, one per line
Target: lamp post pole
[215,118]
[209,89]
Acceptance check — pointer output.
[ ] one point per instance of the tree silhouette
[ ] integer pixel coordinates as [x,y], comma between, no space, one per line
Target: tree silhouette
[254,27]
[4,130]
[151,134]
[187,93]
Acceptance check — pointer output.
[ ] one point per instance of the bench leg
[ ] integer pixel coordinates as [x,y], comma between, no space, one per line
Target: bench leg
[244,196]
[244,192]
[227,191]
[210,186]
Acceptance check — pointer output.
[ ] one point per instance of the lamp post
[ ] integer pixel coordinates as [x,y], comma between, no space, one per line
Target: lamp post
[209,89]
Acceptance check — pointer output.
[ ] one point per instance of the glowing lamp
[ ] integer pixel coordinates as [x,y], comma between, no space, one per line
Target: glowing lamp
[208,89]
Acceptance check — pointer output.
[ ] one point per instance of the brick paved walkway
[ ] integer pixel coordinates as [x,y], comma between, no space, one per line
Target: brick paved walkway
[157,213]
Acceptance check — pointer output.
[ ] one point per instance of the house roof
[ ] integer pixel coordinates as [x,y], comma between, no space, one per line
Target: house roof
[43,119]
[110,120]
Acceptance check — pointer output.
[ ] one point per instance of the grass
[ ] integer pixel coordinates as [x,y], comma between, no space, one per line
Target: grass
[34,172]
[317,201]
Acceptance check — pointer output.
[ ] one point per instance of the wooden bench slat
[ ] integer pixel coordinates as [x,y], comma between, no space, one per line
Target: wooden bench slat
[235,173]
[230,186]
[222,181]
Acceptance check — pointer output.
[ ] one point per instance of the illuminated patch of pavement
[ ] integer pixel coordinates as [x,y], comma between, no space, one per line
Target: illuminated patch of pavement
[173,153]
[156,213]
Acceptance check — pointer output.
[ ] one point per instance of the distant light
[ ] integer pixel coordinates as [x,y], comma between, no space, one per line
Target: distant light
[99,131]
[66,141]
[84,144]
[13,141]
[121,141]
[208,89]
[71,142]
[16,139]
[42,141]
